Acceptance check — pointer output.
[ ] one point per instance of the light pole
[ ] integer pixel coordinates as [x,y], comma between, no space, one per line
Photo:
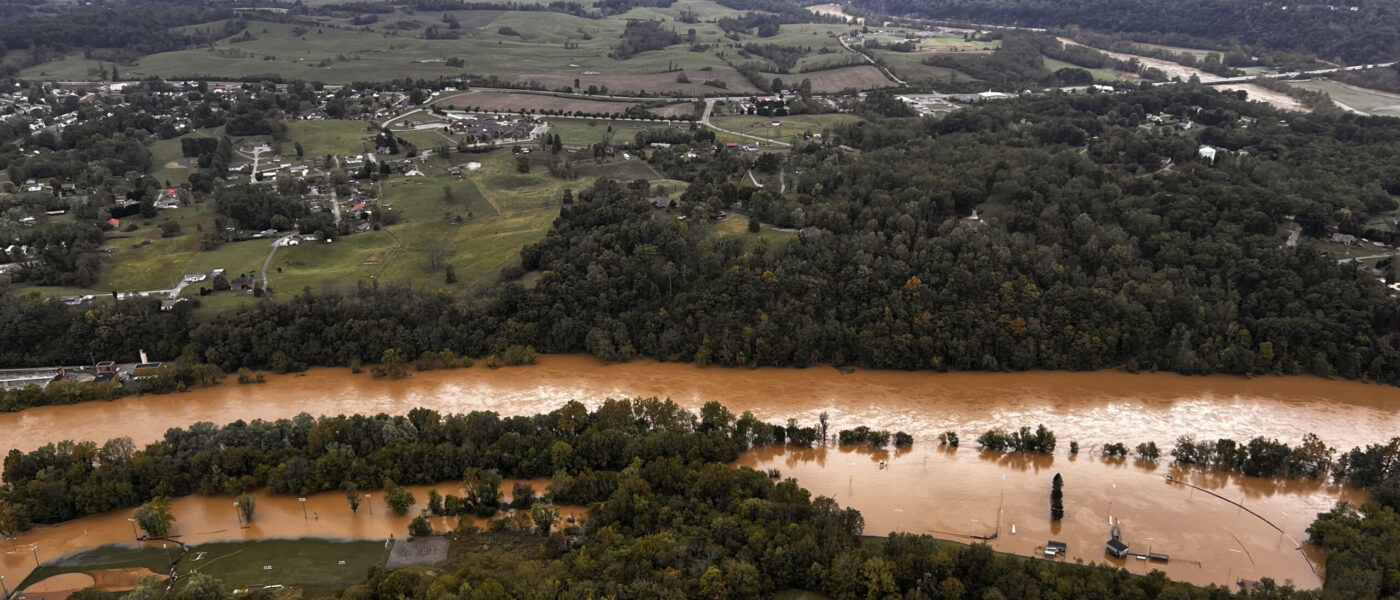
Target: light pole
[134,533]
[371,505]
[166,548]
[303,509]
[35,549]
[897,517]
[237,514]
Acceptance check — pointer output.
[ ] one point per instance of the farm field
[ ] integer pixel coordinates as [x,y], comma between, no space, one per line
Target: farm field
[551,48]
[508,102]
[1371,102]
[909,66]
[1106,75]
[835,80]
[659,83]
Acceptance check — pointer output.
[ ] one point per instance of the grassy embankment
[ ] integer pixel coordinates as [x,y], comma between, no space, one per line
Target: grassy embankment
[310,564]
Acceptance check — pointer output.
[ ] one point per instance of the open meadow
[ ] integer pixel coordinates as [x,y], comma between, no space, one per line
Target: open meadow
[1371,102]
[550,48]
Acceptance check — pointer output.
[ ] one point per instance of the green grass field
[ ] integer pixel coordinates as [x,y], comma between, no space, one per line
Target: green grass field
[1368,101]
[311,564]
[341,138]
[1105,75]
[789,126]
[544,44]
[909,66]
[586,132]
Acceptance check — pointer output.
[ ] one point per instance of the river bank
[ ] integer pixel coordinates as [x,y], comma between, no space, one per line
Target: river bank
[953,494]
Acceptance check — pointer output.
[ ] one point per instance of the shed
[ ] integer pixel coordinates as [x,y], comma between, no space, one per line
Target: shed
[1116,548]
[1054,548]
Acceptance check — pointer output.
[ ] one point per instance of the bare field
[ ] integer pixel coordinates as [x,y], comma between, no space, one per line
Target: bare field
[1267,96]
[673,111]
[663,83]
[835,80]
[501,101]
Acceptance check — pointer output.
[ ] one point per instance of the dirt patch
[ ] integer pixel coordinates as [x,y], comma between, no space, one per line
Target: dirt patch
[836,80]
[1172,69]
[174,164]
[67,582]
[501,101]
[417,551]
[665,83]
[118,579]
[374,259]
[1268,96]
[675,111]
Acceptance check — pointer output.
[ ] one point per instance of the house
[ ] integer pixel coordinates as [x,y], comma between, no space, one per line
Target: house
[1054,549]
[242,282]
[1206,153]
[1116,548]
[114,223]
[194,277]
[1343,238]
[661,202]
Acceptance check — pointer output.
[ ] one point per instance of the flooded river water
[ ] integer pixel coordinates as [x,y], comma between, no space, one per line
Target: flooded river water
[952,494]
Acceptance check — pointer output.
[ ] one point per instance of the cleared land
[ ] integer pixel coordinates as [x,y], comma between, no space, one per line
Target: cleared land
[788,126]
[585,132]
[909,66]
[502,101]
[835,80]
[341,138]
[1052,65]
[1364,100]
[659,83]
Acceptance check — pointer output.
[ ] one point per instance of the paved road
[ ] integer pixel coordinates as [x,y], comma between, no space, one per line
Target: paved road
[867,57]
[705,120]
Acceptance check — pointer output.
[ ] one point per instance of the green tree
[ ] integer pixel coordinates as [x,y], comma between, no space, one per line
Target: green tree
[204,587]
[246,505]
[398,498]
[300,153]
[1057,506]
[393,364]
[544,516]
[420,527]
[155,517]
[353,496]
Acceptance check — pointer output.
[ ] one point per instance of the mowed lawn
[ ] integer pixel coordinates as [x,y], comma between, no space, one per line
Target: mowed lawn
[586,132]
[341,138]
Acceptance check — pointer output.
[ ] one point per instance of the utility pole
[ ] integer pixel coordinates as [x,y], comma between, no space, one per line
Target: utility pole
[134,533]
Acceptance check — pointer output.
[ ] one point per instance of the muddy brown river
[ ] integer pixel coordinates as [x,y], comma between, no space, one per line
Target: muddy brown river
[952,494]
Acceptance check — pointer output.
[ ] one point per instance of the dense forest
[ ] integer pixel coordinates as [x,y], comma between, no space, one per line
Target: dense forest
[1104,240]
[1370,33]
